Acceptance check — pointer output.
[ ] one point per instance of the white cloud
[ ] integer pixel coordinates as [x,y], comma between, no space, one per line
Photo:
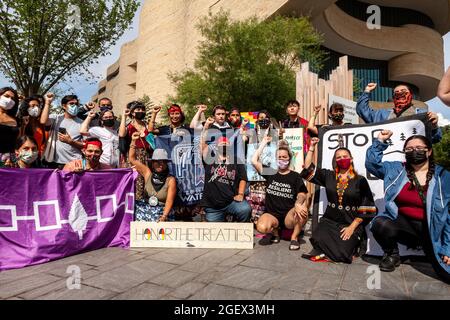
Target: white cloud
[442,122]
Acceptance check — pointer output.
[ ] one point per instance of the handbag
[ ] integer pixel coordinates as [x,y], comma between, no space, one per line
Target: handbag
[50,148]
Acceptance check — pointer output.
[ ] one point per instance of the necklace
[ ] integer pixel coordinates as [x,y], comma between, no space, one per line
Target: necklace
[342,185]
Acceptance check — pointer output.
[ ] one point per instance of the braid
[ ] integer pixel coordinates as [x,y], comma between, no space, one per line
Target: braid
[410,175]
[431,168]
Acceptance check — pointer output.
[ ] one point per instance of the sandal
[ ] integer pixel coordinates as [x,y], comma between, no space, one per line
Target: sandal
[276,239]
[295,245]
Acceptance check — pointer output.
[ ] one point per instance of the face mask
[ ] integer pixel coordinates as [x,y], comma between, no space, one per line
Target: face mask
[283,164]
[72,109]
[93,159]
[402,101]
[416,157]
[159,178]
[108,123]
[264,123]
[139,115]
[7,103]
[34,112]
[344,163]
[28,156]
[337,117]
[105,108]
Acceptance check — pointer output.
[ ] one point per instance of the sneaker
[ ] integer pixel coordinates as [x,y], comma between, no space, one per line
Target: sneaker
[390,262]
[267,240]
[295,245]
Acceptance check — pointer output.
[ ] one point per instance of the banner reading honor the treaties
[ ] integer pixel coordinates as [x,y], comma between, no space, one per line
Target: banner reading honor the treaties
[358,138]
[48,214]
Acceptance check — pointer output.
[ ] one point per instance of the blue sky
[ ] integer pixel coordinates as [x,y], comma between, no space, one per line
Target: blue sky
[85,90]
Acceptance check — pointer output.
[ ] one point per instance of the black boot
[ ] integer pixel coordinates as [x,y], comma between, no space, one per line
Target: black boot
[390,261]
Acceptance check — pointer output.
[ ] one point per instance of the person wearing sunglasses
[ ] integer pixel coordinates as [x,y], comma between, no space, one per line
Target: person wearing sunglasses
[417,203]
[403,106]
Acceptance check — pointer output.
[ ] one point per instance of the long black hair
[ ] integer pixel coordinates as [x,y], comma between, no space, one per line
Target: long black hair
[431,164]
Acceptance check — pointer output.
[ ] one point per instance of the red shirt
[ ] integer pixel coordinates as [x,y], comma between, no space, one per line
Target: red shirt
[140,143]
[410,204]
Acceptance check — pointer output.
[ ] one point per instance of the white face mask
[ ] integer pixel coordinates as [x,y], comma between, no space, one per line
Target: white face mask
[28,156]
[6,103]
[34,112]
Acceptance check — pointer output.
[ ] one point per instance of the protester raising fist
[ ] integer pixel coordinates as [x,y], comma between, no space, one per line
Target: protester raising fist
[370,87]
[385,135]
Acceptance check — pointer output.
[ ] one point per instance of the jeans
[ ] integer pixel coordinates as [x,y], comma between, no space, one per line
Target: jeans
[240,210]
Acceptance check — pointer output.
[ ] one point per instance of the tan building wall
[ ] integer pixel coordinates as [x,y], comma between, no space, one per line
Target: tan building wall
[168,39]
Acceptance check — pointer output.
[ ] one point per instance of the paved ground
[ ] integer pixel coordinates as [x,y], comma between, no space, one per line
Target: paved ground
[271,272]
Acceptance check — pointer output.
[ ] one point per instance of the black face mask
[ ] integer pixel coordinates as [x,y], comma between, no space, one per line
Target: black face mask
[416,157]
[337,117]
[139,115]
[264,123]
[108,123]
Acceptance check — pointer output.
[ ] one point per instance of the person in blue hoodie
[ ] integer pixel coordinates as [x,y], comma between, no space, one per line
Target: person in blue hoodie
[417,200]
[403,106]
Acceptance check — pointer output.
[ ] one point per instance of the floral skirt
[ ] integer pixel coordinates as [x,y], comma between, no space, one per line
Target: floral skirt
[142,156]
[143,211]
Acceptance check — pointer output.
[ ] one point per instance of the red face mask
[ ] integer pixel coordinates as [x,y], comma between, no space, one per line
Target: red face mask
[402,101]
[344,163]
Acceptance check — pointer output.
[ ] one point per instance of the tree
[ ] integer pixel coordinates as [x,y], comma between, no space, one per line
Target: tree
[43,42]
[441,150]
[250,64]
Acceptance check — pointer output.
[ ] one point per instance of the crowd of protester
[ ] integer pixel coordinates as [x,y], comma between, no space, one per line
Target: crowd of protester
[90,137]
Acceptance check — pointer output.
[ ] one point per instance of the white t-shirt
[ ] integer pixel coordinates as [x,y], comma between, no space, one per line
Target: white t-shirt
[110,141]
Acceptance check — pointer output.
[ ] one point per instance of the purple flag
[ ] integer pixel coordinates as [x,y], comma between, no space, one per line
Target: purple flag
[48,214]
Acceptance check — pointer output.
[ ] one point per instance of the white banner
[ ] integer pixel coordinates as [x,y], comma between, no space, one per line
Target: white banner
[358,139]
[294,137]
[191,235]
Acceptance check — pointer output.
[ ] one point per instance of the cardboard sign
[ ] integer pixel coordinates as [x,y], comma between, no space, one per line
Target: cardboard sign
[191,235]
[350,115]
[294,138]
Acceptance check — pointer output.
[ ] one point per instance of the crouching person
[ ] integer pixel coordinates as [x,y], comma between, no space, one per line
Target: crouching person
[159,185]
[225,182]
[285,198]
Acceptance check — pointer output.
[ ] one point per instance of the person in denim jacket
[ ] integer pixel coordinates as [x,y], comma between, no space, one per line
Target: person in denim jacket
[402,107]
[417,200]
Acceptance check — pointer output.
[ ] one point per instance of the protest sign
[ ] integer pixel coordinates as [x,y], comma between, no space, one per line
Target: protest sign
[358,138]
[191,235]
[294,138]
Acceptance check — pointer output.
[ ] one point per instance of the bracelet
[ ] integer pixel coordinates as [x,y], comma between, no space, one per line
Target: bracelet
[312,150]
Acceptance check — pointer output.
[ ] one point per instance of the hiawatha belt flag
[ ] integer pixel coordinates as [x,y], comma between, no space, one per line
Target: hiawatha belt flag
[50,214]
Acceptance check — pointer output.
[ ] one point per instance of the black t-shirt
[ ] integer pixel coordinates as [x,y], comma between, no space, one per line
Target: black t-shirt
[281,192]
[221,184]
[168,130]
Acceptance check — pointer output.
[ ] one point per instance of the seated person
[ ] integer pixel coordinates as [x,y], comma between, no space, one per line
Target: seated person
[92,152]
[159,185]
[225,181]
[285,198]
[340,232]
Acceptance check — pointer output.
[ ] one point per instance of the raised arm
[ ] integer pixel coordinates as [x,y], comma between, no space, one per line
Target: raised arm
[443,91]
[310,155]
[196,121]
[123,123]
[312,122]
[374,154]
[84,130]
[140,167]
[151,124]
[363,109]
[203,144]
[255,159]
[44,119]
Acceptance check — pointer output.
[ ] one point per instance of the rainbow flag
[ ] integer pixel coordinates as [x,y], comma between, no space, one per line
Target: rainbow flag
[252,117]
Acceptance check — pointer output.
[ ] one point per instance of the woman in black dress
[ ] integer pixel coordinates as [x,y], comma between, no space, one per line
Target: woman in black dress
[350,206]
